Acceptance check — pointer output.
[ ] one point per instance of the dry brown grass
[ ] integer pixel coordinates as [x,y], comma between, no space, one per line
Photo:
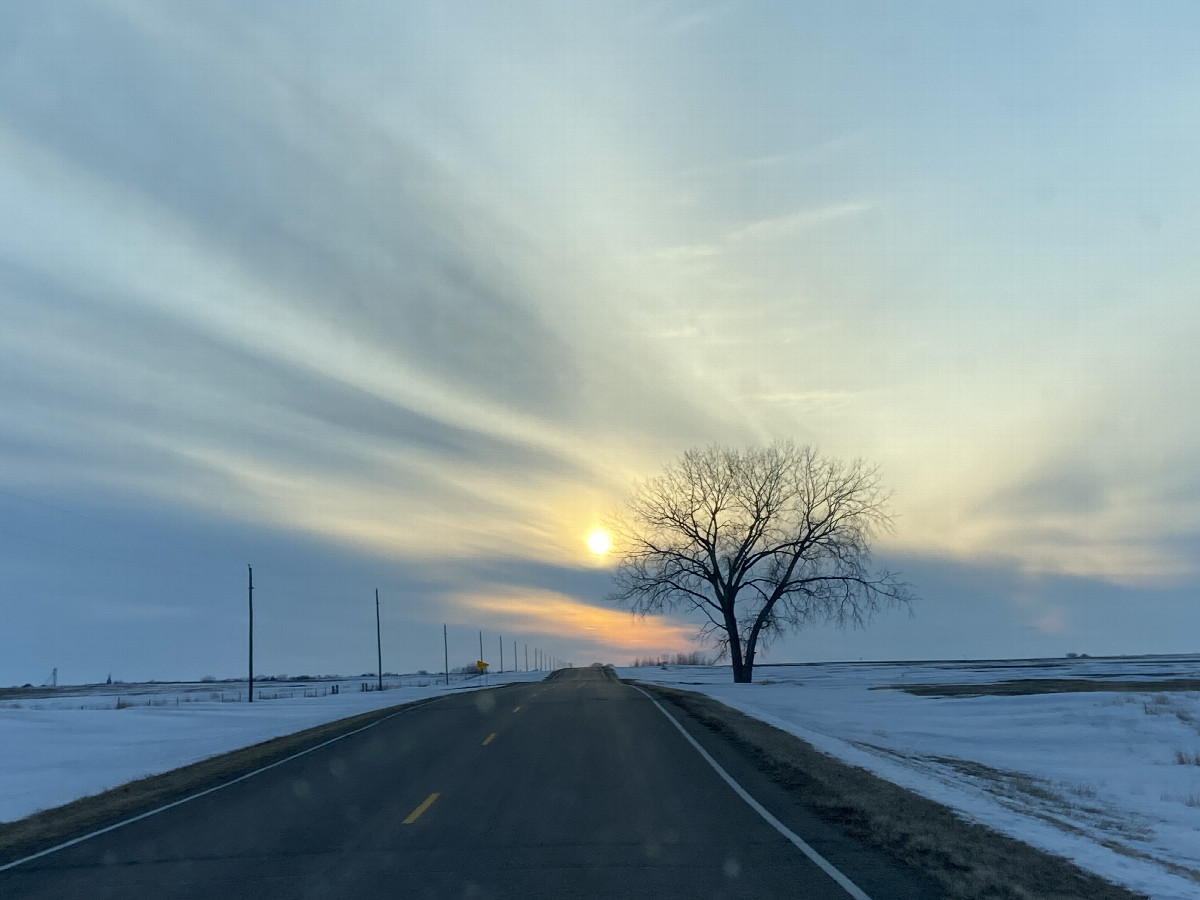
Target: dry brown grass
[1187,759]
[1023,686]
[967,861]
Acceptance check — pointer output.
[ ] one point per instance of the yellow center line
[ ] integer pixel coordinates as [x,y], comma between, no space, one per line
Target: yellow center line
[416,813]
[487,740]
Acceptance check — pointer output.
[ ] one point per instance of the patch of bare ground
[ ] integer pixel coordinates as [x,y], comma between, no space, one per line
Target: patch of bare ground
[967,861]
[53,826]
[1022,686]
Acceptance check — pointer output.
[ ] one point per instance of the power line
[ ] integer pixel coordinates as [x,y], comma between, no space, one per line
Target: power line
[108,523]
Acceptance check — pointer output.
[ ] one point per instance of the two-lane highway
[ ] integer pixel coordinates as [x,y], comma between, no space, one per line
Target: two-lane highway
[577,786]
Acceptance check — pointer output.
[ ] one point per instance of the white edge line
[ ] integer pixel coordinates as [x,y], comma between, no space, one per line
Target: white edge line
[207,791]
[827,867]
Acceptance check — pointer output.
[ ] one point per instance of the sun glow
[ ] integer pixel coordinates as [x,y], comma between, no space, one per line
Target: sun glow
[603,630]
[599,542]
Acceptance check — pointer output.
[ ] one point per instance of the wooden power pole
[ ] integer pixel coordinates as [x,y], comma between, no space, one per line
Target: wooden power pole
[250,680]
[378,645]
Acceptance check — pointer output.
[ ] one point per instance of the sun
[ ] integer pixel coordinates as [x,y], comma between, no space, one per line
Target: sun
[599,542]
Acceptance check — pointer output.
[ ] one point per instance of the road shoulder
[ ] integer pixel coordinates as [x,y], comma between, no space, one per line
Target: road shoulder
[51,827]
[961,859]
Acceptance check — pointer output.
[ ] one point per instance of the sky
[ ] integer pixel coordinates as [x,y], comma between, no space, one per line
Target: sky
[409,297]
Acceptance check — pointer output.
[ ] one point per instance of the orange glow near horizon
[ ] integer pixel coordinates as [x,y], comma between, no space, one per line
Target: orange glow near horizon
[557,615]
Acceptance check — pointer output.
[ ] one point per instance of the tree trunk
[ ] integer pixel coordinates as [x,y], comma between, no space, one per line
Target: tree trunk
[741,674]
[747,668]
[748,658]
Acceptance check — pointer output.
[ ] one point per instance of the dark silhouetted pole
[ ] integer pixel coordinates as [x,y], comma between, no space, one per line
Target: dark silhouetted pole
[250,681]
[516,666]
[446,650]
[481,646]
[501,654]
[378,645]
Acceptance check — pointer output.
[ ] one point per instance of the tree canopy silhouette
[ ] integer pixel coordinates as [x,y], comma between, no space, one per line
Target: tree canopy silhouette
[760,541]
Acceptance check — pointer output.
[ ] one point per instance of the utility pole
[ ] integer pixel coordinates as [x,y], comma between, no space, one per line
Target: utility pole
[516,667]
[501,654]
[526,657]
[250,680]
[446,650]
[481,646]
[378,644]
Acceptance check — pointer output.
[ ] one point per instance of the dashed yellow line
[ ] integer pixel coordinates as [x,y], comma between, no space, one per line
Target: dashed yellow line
[416,813]
[487,740]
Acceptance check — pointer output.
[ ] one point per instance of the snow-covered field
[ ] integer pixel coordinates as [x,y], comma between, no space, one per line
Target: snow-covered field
[72,742]
[1108,779]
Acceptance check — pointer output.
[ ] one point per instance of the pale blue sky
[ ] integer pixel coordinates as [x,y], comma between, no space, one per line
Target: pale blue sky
[409,295]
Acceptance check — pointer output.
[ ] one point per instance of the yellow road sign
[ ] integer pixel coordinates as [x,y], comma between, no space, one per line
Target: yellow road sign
[481,665]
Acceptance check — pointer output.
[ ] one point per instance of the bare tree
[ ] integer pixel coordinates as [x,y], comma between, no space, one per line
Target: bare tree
[760,541]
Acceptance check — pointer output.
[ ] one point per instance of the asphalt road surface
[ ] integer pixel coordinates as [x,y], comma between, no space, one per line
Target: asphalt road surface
[577,786]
